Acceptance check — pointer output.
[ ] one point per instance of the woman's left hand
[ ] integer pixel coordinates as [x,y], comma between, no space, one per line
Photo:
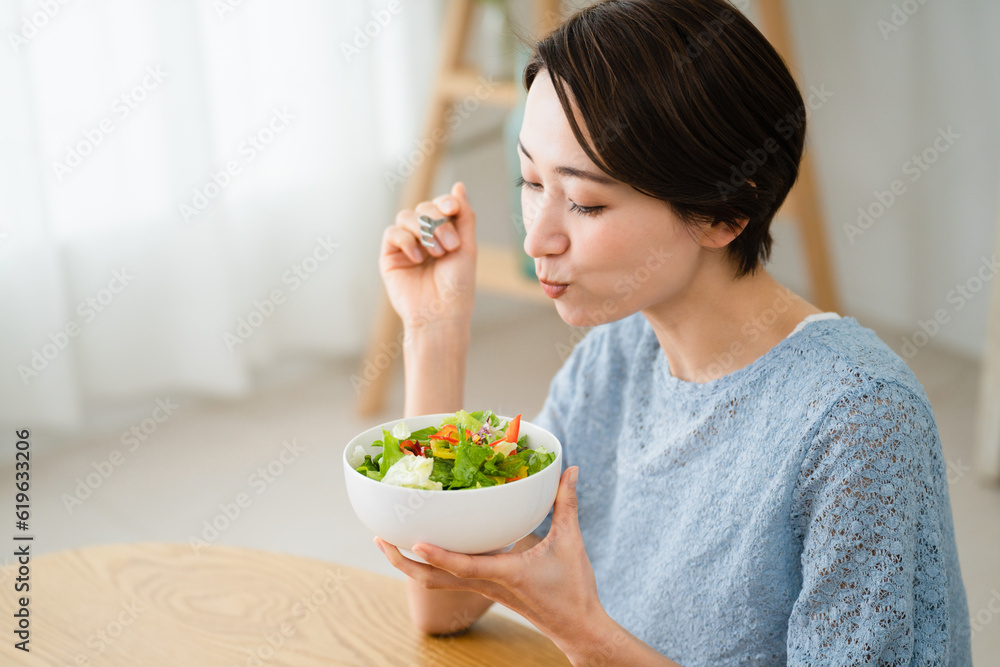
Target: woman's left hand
[551,584]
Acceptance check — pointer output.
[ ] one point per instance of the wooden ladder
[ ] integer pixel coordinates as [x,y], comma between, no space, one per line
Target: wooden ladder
[498,268]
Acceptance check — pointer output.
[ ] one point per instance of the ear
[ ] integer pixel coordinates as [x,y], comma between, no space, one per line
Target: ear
[720,234]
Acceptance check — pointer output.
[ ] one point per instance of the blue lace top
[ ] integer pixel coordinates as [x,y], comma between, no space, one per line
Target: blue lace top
[795,510]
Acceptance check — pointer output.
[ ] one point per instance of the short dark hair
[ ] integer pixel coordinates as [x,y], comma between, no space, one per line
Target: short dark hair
[687,102]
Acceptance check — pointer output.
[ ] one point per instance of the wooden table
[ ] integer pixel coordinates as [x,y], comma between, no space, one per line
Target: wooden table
[164,604]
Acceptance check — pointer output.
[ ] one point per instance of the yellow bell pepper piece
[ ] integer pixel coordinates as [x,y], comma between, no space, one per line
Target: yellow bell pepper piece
[441,450]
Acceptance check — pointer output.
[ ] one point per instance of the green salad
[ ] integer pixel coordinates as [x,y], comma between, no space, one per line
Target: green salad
[468,450]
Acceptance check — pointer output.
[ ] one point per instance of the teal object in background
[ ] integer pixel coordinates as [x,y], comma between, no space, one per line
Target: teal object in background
[511,129]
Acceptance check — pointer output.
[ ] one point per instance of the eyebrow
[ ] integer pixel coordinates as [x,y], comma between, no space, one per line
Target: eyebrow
[573,171]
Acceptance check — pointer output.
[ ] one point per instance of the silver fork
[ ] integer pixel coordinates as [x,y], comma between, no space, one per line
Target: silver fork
[427,227]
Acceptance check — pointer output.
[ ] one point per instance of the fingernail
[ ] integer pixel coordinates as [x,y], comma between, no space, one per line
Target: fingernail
[379,545]
[573,475]
[420,551]
[449,239]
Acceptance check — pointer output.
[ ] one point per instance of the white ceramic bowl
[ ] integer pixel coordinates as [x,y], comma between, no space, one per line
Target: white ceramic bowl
[470,521]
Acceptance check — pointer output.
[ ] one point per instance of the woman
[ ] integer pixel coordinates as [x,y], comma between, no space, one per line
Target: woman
[759,482]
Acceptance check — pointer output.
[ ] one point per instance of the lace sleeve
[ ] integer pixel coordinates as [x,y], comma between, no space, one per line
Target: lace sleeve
[555,413]
[869,508]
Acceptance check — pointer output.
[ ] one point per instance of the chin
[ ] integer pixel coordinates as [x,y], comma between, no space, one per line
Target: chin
[591,315]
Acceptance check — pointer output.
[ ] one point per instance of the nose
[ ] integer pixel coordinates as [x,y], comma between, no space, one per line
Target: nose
[544,234]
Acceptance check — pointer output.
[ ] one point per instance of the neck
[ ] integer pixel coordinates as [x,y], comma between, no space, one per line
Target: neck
[720,325]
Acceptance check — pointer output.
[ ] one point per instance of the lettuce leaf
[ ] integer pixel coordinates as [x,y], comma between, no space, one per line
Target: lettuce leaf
[485,416]
[540,458]
[424,434]
[390,451]
[482,480]
[370,468]
[413,472]
[490,465]
[474,466]
[463,419]
[512,464]
[505,466]
[468,459]
[442,471]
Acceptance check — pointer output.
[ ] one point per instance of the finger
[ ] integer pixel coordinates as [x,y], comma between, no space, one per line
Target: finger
[448,204]
[434,213]
[466,220]
[428,576]
[448,236]
[398,238]
[464,566]
[409,219]
[447,233]
[410,568]
[565,513]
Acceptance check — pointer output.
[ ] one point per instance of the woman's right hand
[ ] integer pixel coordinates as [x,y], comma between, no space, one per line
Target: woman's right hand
[432,286]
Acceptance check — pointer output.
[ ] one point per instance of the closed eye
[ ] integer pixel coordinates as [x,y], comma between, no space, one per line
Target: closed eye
[521,183]
[576,208]
[586,210]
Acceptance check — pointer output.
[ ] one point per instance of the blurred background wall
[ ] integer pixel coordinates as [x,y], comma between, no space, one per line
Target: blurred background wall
[192,193]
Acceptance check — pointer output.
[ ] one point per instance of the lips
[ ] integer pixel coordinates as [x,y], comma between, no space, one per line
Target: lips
[551,289]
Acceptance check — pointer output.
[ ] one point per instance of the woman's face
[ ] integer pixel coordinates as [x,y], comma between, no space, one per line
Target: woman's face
[617,251]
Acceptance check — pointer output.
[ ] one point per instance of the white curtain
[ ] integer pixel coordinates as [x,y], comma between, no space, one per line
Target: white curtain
[334,93]
[192,191]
